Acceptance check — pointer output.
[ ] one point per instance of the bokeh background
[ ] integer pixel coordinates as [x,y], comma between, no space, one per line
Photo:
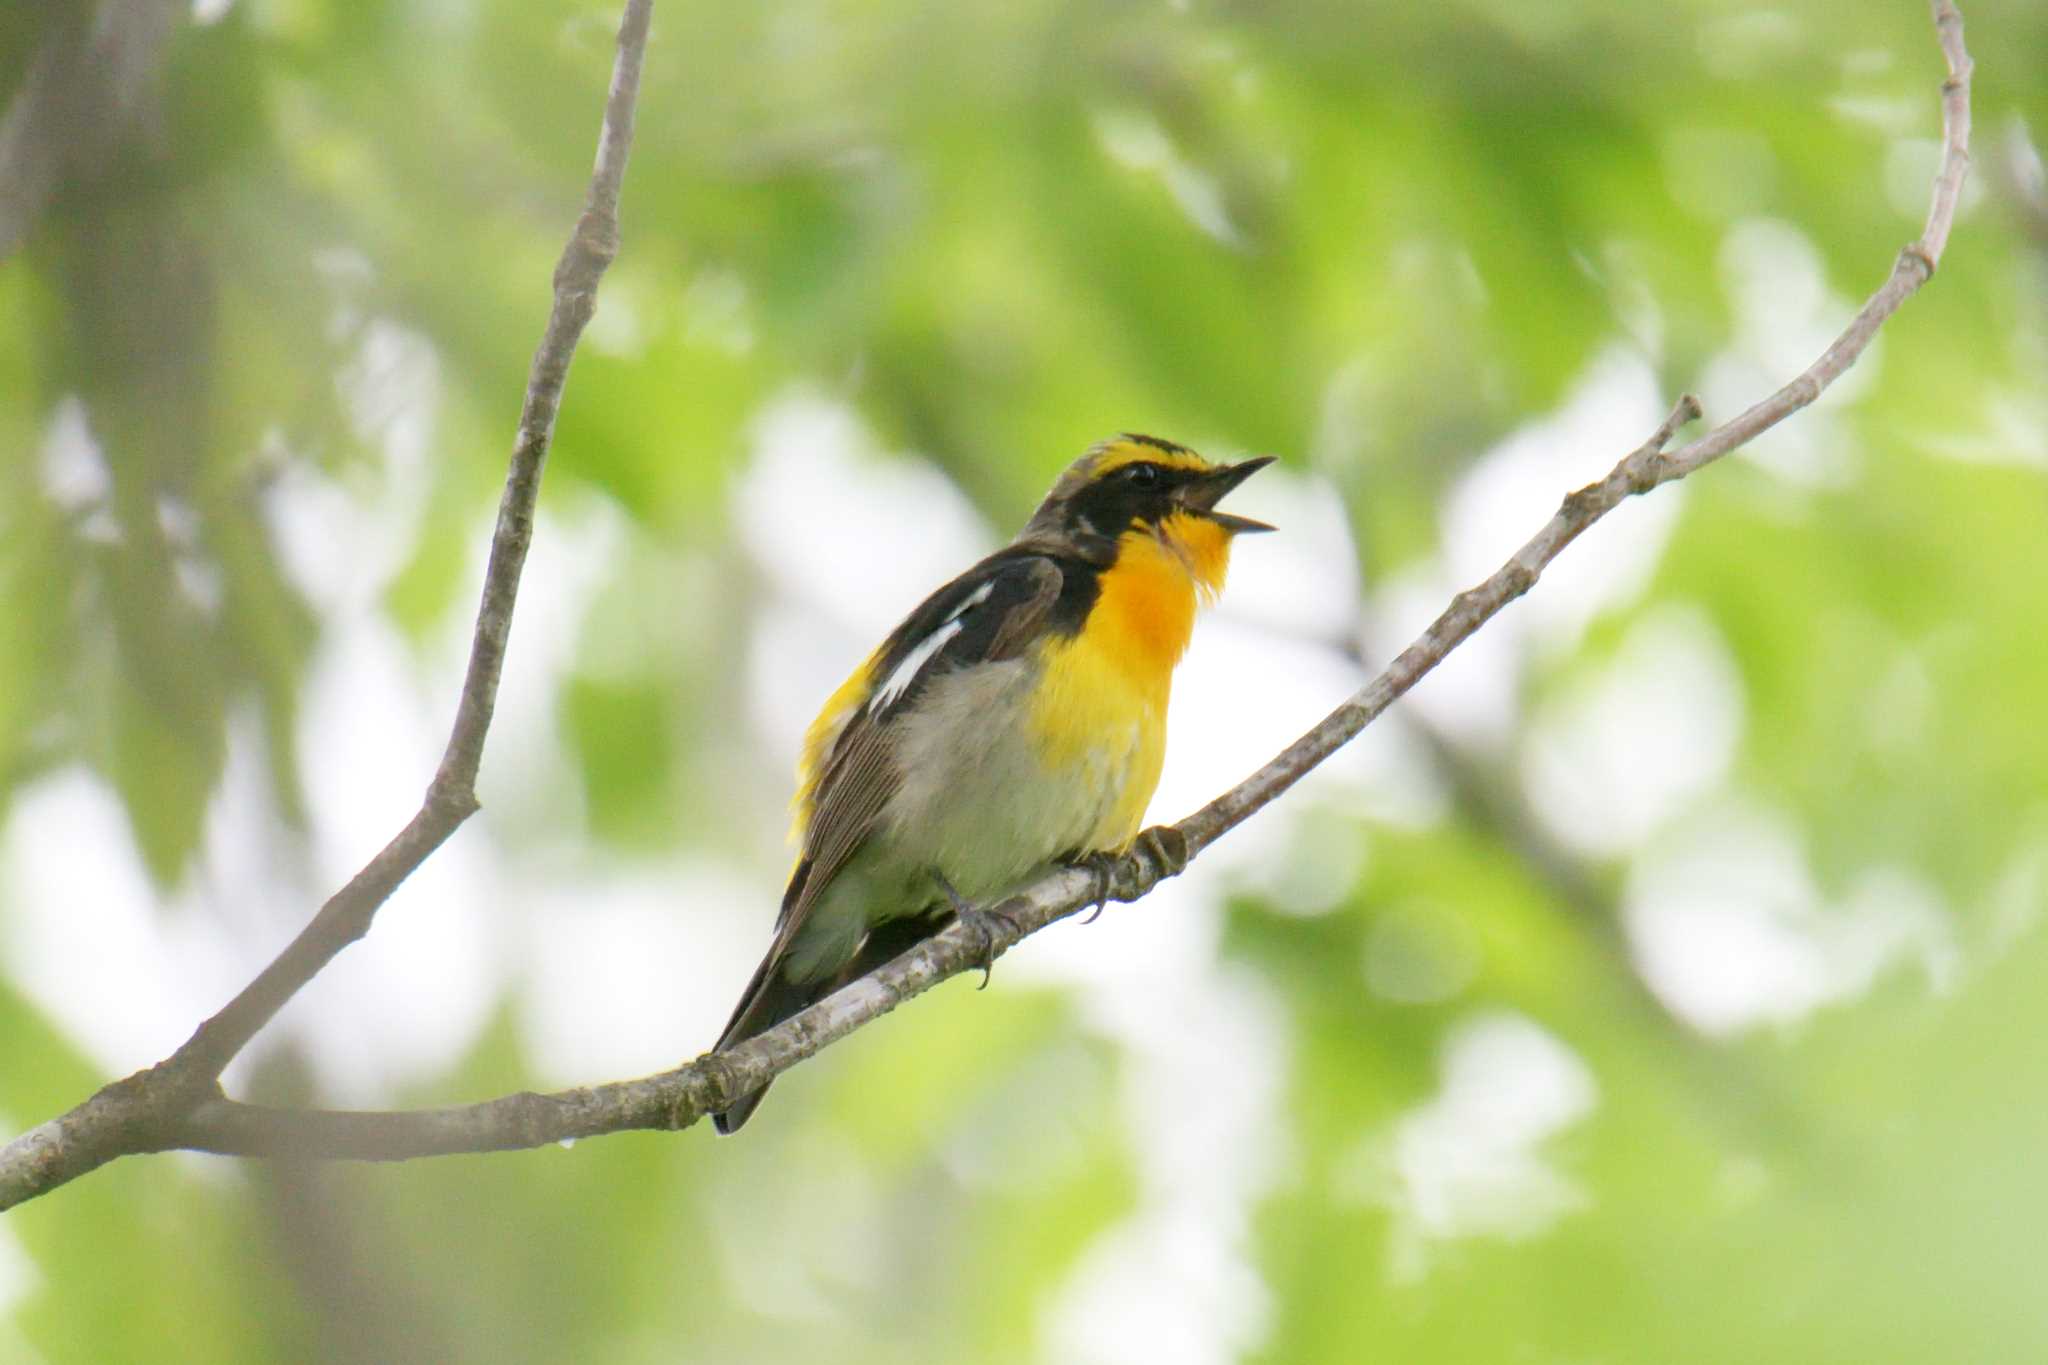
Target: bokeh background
[1663,981]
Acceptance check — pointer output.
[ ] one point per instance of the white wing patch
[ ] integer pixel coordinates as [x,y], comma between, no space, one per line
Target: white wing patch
[905,673]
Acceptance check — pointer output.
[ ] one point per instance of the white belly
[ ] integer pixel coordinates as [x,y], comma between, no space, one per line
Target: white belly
[978,803]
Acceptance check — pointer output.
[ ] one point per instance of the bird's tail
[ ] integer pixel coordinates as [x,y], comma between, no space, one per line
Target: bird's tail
[771,998]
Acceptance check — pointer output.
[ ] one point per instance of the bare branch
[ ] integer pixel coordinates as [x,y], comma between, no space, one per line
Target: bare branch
[451,796]
[132,1115]
[675,1099]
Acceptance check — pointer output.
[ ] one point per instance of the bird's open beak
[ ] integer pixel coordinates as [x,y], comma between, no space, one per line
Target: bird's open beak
[1201,495]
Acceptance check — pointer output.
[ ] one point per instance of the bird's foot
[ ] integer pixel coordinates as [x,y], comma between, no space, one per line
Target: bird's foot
[1102,867]
[984,925]
[1156,854]
[989,928]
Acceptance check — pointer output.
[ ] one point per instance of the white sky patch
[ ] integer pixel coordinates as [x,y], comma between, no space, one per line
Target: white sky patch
[331,550]
[1323,860]
[530,782]
[1508,493]
[1304,579]
[1502,500]
[340,542]
[631,970]
[1620,754]
[813,501]
[1624,271]
[391,388]
[177,519]
[1345,417]
[1909,167]
[1469,1161]
[1475,693]
[1785,316]
[408,999]
[348,273]
[1894,116]
[1729,928]
[620,326]
[1240,696]
[200,582]
[18,1279]
[718,312]
[1175,1282]
[86,937]
[75,474]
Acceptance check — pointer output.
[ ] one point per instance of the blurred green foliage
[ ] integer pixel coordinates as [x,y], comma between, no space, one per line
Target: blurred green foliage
[1375,237]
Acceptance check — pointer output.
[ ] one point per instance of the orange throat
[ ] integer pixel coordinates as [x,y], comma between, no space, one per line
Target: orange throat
[1150,594]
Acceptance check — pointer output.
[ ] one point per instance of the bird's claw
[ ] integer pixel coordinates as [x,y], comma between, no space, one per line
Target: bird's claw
[984,925]
[1102,867]
[1162,851]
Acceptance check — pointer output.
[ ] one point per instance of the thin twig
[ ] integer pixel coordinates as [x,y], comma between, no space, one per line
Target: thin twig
[132,1115]
[678,1098]
[451,796]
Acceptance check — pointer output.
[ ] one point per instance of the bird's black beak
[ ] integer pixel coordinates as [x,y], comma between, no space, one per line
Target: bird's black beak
[1201,494]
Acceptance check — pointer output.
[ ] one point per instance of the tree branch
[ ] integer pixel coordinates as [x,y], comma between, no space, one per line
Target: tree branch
[675,1099]
[134,1114]
[451,796]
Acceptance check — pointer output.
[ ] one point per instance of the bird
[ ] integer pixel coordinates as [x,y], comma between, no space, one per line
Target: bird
[1015,719]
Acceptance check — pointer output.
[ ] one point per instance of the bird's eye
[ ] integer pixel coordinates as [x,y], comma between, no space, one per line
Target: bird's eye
[1142,475]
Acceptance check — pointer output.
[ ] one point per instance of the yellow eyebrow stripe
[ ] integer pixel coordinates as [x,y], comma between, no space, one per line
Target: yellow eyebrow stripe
[1119,451]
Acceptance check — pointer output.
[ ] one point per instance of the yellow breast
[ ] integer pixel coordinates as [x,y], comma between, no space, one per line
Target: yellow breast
[1100,713]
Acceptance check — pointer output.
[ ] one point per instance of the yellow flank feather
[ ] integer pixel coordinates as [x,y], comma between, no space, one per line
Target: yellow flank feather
[839,708]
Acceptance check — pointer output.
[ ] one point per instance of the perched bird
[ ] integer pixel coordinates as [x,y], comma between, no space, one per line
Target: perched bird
[1016,718]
